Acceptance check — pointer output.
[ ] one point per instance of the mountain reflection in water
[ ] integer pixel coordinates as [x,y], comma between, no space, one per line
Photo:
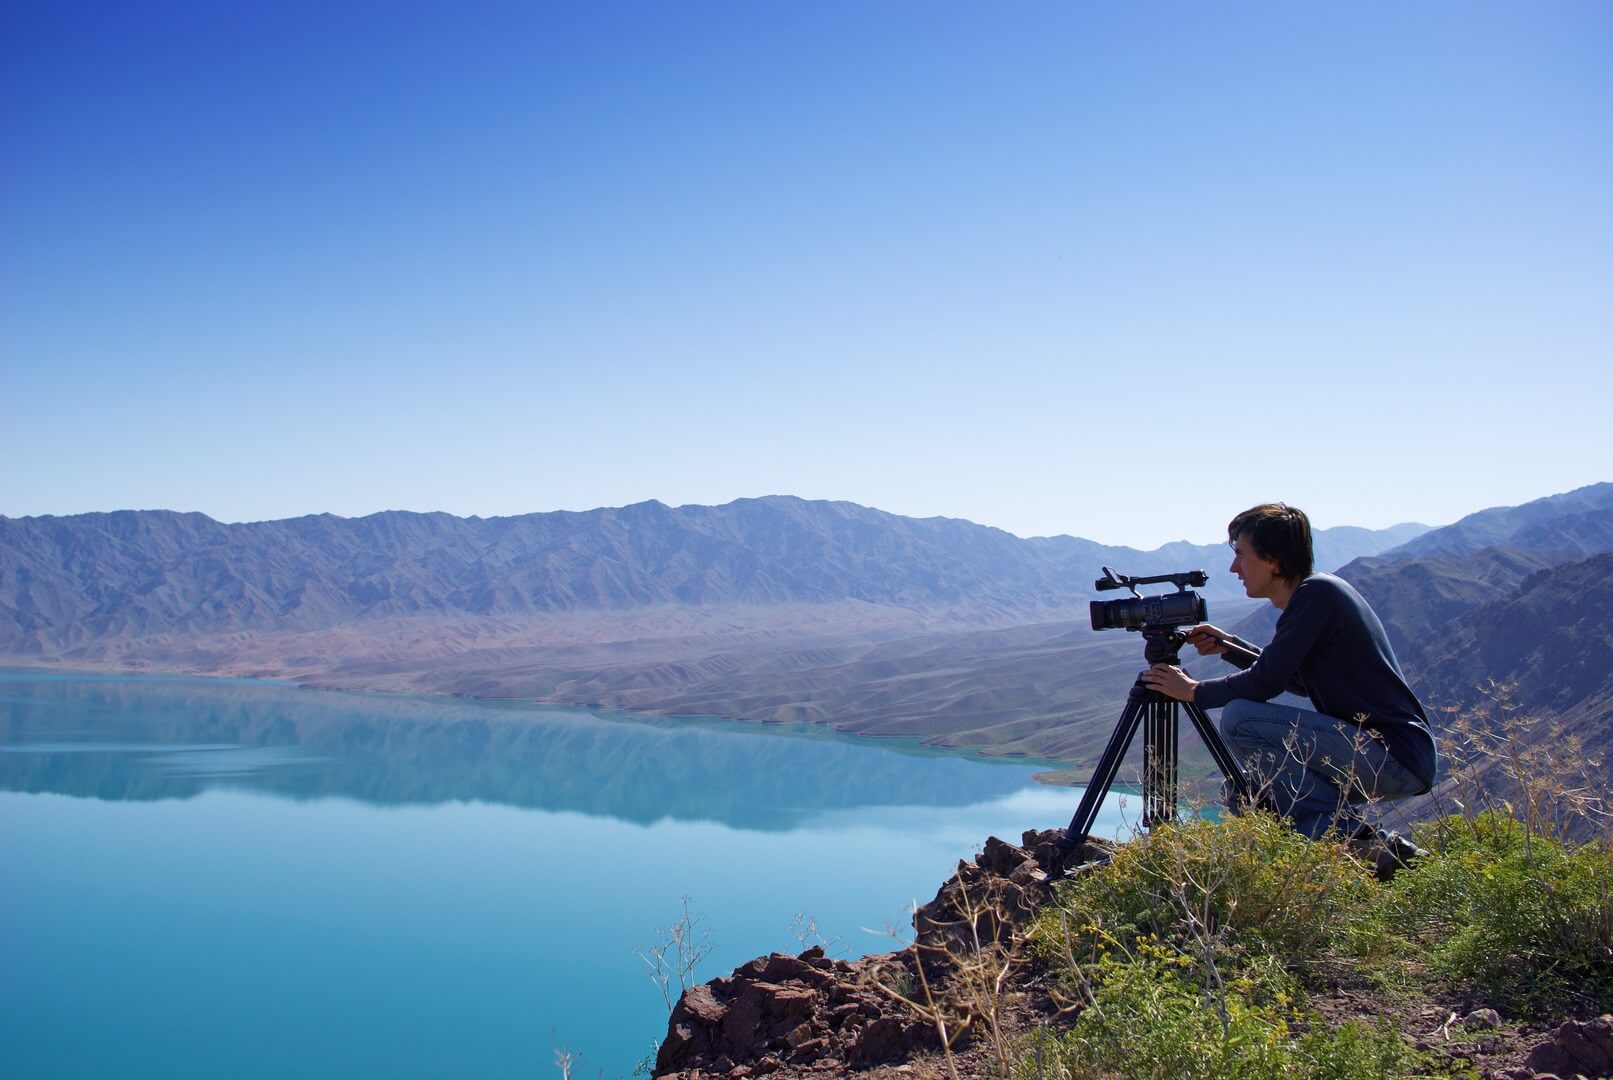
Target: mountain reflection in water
[141,737]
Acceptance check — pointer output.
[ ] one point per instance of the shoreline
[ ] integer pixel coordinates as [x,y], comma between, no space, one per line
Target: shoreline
[1055,774]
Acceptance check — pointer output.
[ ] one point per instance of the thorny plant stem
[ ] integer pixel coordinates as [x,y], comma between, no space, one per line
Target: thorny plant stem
[980,972]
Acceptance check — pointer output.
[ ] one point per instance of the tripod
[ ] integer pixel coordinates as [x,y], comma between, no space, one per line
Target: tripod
[1159,717]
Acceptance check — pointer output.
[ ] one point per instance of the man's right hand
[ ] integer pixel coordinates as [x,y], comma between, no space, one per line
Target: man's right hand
[1206,639]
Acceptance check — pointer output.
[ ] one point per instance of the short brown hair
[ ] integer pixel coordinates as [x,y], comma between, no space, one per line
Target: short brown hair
[1278,532]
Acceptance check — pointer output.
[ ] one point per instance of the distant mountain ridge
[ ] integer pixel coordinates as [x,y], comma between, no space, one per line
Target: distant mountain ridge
[67,581]
[1414,597]
[1571,525]
[1433,591]
[1550,639]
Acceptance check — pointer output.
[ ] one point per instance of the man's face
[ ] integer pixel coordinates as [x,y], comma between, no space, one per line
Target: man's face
[1259,575]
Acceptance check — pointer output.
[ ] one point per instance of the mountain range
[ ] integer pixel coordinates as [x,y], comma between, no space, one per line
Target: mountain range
[779,609]
[69,581]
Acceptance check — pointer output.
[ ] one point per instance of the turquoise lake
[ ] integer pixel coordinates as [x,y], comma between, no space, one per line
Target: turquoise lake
[206,878]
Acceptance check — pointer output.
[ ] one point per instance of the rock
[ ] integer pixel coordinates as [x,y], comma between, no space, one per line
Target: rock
[1027,874]
[976,908]
[1001,858]
[1577,1046]
[1049,857]
[809,1050]
[786,1001]
[675,1048]
[742,1021]
[1590,1044]
[699,1003]
[830,1016]
[1487,1019]
[883,1040]
[780,968]
[1045,847]
[805,1010]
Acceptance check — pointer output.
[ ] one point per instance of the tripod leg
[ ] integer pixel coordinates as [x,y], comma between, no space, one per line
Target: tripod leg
[1171,737]
[1161,753]
[1108,765]
[1153,761]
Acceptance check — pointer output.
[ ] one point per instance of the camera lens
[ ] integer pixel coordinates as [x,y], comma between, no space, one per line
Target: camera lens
[1133,613]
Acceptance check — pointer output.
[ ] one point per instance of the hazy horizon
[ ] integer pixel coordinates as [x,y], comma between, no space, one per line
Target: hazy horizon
[683,506]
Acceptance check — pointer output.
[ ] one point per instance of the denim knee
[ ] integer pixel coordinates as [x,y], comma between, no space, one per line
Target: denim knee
[1233,713]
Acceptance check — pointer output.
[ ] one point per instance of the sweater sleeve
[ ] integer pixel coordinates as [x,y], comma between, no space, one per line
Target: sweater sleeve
[1243,654]
[1277,667]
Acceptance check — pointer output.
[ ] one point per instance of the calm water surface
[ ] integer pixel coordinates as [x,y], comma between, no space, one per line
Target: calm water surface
[204,878]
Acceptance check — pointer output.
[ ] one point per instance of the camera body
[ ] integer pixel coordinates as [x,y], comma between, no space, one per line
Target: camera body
[1160,613]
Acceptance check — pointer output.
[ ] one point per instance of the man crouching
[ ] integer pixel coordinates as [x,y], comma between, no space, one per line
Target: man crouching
[1367,739]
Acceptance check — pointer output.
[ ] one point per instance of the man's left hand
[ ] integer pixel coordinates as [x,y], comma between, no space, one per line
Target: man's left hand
[1173,682]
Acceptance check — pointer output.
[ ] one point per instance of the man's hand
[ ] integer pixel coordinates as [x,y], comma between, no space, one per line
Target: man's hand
[1206,639]
[1173,682]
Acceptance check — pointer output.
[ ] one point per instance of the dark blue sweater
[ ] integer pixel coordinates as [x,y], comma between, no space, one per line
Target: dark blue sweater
[1330,647]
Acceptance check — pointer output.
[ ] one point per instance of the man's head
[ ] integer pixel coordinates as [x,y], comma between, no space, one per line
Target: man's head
[1271,546]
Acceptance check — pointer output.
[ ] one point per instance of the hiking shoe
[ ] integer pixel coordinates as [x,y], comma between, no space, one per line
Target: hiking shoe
[1403,849]
[1394,853]
[1385,852]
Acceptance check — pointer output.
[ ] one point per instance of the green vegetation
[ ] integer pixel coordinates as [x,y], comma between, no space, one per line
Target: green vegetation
[1202,949]
[1149,1021]
[1516,918]
[1209,949]
[1229,891]
[1193,953]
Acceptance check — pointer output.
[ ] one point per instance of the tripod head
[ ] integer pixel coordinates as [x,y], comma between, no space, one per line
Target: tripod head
[1163,644]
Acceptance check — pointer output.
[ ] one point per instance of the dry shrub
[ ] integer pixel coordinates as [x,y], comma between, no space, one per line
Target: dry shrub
[957,979]
[1499,760]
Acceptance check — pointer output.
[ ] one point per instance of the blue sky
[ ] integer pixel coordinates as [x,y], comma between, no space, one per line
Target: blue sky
[1112,270]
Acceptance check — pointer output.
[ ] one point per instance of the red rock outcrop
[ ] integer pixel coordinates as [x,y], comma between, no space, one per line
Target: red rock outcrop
[779,1010]
[813,1013]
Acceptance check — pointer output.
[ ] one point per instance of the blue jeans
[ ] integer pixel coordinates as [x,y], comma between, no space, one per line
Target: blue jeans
[1311,768]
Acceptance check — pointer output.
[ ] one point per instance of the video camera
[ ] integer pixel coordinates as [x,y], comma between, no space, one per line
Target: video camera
[1161,619]
[1162,612]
